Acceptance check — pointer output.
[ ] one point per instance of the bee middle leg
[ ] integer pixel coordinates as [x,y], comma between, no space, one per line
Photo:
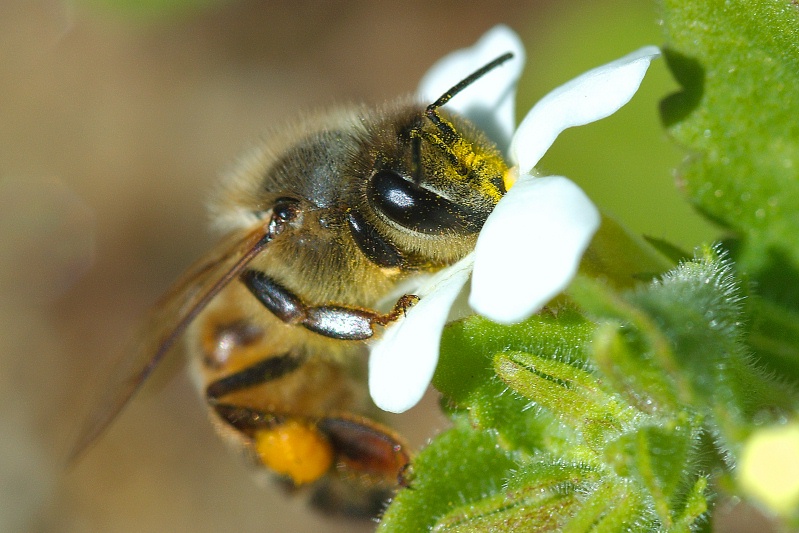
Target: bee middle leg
[337,322]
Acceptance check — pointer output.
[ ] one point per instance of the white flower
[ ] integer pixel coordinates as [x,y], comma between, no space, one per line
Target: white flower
[531,245]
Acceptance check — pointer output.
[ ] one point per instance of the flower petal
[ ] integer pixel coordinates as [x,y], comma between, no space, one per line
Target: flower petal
[530,247]
[592,96]
[490,101]
[403,361]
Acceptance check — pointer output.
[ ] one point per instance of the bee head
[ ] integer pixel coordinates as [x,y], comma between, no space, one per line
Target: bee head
[447,137]
[444,175]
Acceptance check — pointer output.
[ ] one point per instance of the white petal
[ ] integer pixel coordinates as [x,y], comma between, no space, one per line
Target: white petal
[530,247]
[490,101]
[403,361]
[592,96]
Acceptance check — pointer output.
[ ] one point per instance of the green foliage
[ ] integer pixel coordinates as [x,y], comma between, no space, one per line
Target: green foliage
[738,65]
[594,425]
[636,397]
[450,477]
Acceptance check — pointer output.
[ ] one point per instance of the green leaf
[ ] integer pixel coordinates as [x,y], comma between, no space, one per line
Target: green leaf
[738,64]
[541,495]
[626,447]
[690,517]
[699,306]
[658,456]
[630,349]
[571,394]
[775,337]
[685,349]
[611,508]
[459,468]
[465,373]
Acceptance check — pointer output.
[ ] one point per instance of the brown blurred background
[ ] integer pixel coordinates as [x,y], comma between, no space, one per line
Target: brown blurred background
[114,124]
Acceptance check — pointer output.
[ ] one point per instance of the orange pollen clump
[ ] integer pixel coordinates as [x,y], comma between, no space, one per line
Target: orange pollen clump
[295,450]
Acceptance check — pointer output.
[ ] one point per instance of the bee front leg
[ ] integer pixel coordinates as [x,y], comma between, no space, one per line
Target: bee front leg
[337,322]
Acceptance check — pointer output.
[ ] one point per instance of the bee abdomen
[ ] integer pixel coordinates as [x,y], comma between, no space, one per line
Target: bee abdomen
[261,372]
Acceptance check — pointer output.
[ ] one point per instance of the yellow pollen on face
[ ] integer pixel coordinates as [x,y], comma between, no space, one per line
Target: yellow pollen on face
[485,165]
[465,153]
[295,450]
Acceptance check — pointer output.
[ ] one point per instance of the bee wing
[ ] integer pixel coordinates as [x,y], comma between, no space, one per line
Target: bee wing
[166,323]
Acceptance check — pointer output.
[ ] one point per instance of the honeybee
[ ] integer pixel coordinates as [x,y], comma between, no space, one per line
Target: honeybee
[323,223]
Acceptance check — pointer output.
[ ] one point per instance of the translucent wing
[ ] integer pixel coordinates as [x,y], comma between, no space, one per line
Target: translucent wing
[167,322]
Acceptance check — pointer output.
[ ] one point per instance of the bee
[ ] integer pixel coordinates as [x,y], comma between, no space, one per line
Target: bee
[323,226]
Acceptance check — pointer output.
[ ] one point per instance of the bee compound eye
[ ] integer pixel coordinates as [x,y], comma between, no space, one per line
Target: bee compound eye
[417,208]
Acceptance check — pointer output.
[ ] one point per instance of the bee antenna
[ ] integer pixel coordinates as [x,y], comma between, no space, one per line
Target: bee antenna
[445,127]
[468,80]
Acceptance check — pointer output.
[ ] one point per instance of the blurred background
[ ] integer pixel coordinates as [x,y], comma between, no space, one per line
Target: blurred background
[116,117]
